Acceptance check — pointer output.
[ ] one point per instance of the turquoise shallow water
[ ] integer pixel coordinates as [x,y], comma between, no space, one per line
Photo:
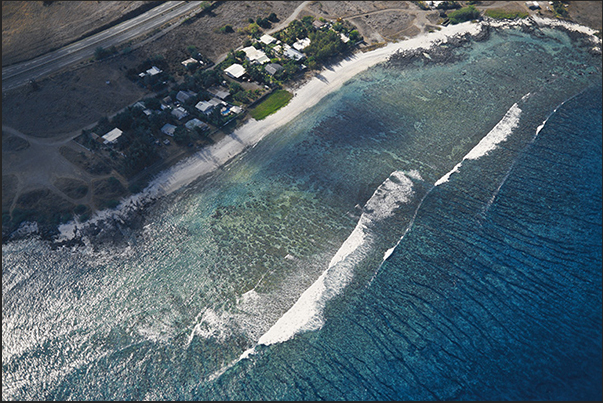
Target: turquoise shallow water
[505,251]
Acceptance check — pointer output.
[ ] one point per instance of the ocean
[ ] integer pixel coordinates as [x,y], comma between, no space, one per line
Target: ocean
[430,231]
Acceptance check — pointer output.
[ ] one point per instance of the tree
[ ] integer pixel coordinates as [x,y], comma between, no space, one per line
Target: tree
[272,17]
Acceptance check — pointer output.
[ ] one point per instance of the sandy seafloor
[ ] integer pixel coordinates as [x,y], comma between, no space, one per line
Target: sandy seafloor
[420,227]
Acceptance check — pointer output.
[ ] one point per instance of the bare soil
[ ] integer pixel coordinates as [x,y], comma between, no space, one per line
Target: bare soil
[31,28]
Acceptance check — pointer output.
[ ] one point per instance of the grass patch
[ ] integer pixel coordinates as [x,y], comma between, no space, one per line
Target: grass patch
[499,14]
[464,14]
[273,103]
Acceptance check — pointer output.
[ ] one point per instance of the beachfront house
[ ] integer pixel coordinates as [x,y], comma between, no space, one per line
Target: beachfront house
[168,129]
[255,56]
[112,136]
[180,113]
[273,68]
[235,71]
[193,123]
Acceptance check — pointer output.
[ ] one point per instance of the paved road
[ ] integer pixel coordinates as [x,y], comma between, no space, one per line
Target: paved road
[21,73]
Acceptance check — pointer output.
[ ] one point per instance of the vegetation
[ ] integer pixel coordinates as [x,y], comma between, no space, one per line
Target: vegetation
[559,10]
[447,5]
[274,102]
[226,29]
[464,14]
[101,53]
[505,15]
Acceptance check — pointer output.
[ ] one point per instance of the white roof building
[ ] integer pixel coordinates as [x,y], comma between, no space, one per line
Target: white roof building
[205,107]
[255,55]
[267,39]
[189,61]
[112,136]
[301,44]
[293,54]
[153,71]
[235,71]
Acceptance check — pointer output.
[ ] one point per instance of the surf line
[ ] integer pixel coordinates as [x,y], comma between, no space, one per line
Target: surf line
[489,142]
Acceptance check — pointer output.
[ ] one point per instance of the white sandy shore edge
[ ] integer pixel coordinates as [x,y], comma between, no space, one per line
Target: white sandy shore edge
[211,158]
[305,97]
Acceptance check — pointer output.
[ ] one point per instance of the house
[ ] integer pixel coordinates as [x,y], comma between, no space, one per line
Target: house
[272,68]
[267,39]
[112,136]
[235,71]
[191,124]
[255,56]
[205,107]
[190,61]
[301,44]
[180,113]
[219,92]
[168,129]
[184,96]
[344,38]
[293,54]
[154,71]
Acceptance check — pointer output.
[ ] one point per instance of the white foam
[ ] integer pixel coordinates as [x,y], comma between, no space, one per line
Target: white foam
[490,141]
[306,313]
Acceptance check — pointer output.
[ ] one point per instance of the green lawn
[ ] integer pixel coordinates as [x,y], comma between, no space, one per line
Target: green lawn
[505,15]
[273,103]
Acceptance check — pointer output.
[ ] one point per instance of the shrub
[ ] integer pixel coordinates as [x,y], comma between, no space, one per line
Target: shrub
[505,15]
[464,14]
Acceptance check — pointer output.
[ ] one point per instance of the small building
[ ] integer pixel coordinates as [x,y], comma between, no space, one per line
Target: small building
[236,109]
[267,39]
[190,61]
[112,136]
[168,129]
[533,5]
[180,113]
[344,38]
[273,68]
[184,96]
[154,71]
[301,44]
[205,107]
[293,54]
[193,123]
[235,71]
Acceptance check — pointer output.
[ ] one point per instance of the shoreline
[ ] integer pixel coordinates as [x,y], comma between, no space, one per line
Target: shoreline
[306,95]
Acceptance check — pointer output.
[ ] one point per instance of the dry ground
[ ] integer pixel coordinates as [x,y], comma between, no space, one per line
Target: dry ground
[39,159]
[30,28]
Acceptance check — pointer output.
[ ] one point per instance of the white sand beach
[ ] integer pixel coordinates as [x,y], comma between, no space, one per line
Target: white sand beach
[305,97]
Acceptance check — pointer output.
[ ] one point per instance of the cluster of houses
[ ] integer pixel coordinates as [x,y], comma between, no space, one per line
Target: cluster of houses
[217,102]
[257,56]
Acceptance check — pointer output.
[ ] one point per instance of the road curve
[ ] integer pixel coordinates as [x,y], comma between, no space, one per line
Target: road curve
[21,73]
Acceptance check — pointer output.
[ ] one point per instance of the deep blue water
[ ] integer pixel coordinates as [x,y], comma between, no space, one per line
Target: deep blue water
[482,300]
[492,289]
